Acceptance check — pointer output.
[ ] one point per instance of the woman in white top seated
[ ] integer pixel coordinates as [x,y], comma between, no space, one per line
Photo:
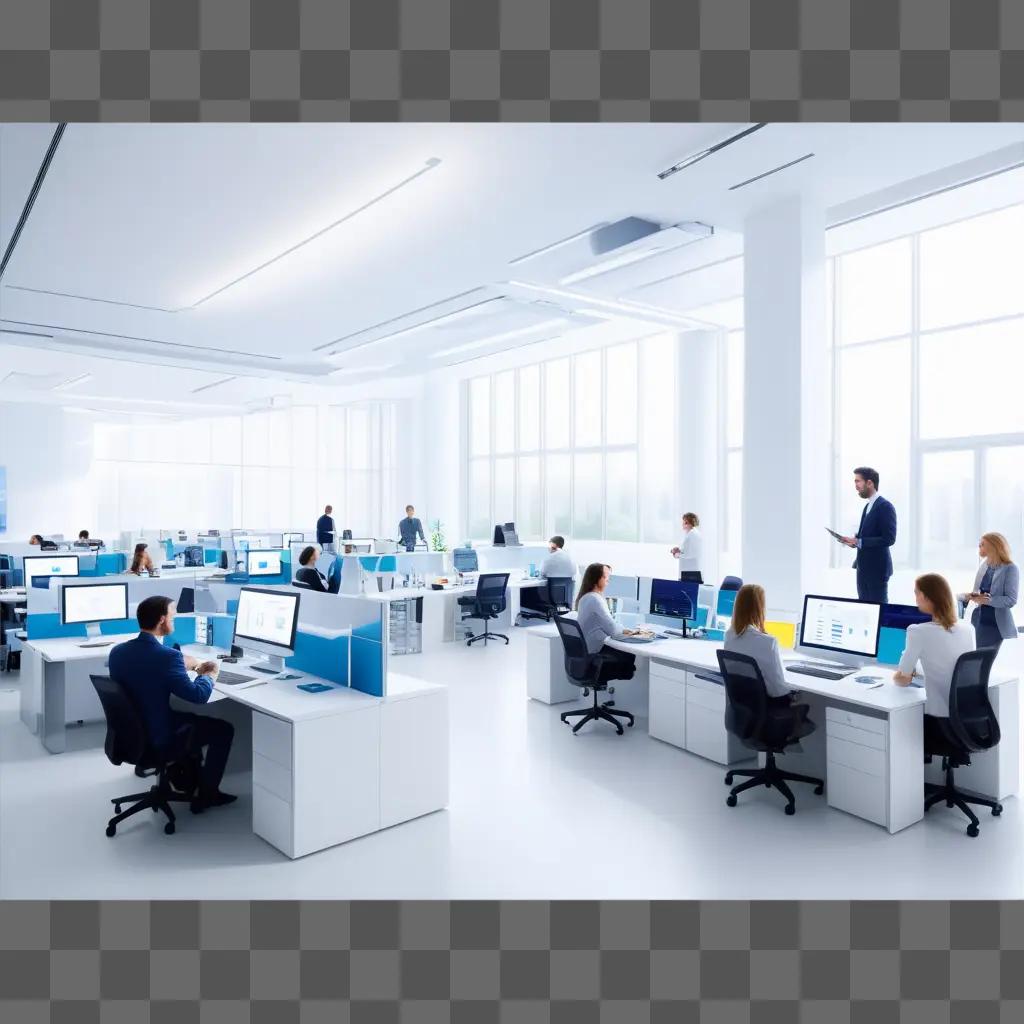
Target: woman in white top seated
[746,635]
[597,623]
[935,646]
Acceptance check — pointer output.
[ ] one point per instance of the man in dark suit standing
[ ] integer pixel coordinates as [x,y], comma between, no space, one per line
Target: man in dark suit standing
[875,536]
[325,530]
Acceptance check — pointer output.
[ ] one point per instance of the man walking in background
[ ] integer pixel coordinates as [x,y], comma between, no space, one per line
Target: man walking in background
[325,530]
[874,538]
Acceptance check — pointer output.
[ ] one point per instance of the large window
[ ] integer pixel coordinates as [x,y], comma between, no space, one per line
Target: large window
[276,468]
[584,446]
[929,358]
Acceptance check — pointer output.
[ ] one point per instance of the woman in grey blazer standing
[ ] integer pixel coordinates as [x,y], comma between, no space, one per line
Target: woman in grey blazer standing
[994,593]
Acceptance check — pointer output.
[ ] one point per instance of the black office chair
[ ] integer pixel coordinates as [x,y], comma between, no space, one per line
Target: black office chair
[971,727]
[759,726]
[488,603]
[591,672]
[554,596]
[731,583]
[127,743]
[302,586]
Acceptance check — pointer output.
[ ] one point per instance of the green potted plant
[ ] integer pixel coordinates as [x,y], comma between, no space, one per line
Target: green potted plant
[437,539]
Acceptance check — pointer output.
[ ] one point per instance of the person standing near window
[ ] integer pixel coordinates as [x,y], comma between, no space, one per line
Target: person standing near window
[995,592]
[691,552]
[410,528]
[325,530]
[874,538]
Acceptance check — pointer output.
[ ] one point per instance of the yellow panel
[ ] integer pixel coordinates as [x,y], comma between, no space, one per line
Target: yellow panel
[784,632]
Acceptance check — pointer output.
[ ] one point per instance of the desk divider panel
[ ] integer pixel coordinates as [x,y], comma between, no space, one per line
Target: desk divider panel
[891,643]
[47,626]
[320,655]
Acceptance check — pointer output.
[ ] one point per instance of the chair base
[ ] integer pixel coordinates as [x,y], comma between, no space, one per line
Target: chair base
[605,711]
[485,636]
[953,797]
[158,798]
[772,777]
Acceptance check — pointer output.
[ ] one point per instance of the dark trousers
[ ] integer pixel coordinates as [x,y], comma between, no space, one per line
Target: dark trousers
[872,590]
[936,733]
[987,635]
[617,665]
[198,731]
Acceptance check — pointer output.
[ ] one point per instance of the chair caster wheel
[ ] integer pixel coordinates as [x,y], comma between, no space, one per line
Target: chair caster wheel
[997,810]
[730,800]
[972,831]
[169,828]
[818,790]
[790,808]
[111,830]
[728,779]
[195,809]
[154,809]
[117,808]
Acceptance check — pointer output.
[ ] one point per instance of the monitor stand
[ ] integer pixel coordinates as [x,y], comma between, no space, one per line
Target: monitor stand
[92,632]
[271,665]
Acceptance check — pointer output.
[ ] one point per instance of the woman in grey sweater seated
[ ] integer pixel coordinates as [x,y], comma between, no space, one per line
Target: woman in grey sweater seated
[746,635]
[597,623]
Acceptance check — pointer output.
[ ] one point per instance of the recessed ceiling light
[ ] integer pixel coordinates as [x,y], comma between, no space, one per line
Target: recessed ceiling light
[694,158]
[344,371]
[70,383]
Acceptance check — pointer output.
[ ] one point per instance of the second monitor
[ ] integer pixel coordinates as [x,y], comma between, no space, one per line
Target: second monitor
[841,625]
[263,563]
[674,599]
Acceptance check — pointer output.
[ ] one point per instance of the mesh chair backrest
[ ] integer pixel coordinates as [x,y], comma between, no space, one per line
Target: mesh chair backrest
[746,697]
[578,660]
[490,591]
[369,562]
[971,718]
[560,590]
[731,583]
[126,734]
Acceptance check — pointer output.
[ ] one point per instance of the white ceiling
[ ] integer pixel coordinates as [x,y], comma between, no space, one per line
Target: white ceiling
[139,227]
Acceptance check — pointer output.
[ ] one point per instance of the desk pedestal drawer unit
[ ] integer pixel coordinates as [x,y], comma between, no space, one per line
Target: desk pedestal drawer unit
[546,680]
[689,712]
[875,765]
[318,782]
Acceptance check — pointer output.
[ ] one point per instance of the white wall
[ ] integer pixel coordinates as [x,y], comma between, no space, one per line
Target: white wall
[48,454]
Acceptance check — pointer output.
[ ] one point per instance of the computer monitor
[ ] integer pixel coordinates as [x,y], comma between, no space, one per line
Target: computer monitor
[266,622]
[263,563]
[292,538]
[840,624]
[511,537]
[899,616]
[93,603]
[40,566]
[193,556]
[465,560]
[186,603]
[674,599]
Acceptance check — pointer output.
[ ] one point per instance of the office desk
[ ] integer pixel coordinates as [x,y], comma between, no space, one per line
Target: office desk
[439,611]
[330,767]
[47,666]
[868,744]
[17,595]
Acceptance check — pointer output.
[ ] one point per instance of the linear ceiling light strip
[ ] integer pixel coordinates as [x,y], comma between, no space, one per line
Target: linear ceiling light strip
[32,196]
[213,384]
[774,170]
[703,154]
[428,166]
[89,298]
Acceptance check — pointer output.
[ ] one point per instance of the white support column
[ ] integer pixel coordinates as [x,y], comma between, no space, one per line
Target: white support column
[786,401]
[698,424]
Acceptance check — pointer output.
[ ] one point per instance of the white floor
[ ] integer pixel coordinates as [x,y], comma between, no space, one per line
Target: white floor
[535,812]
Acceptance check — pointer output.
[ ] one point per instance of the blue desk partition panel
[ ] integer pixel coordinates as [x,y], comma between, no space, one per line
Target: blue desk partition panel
[326,657]
[891,643]
[223,627]
[47,626]
[232,606]
[726,601]
[211,556]
[111,563]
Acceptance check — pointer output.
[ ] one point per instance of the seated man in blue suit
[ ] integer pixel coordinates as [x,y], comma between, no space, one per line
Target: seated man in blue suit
[874,538]
[150,673]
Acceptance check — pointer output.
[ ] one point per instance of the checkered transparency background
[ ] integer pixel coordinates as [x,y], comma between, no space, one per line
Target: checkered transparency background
[484,962]
[566,60]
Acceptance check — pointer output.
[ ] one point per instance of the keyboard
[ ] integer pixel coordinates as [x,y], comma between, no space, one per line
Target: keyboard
[232,679]
[821,673]
[99,643]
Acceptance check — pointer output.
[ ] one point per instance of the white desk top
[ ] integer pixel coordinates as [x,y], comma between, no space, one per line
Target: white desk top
[700,655]
[69,648]
[460,590]
[17,595]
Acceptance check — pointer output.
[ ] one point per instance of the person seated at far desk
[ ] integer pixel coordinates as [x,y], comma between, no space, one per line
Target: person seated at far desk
[746,635]
[598,625]
[936,646]
[142,561]
[556,565]
[150,673]
[309,574]
[36,539]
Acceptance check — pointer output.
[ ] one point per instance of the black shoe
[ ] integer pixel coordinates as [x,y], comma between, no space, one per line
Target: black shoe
[214,799]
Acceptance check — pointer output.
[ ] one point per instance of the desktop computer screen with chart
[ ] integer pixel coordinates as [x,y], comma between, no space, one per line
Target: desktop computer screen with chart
[266,620]
[840,624]
[263,563]
[674,599]
[38,566]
